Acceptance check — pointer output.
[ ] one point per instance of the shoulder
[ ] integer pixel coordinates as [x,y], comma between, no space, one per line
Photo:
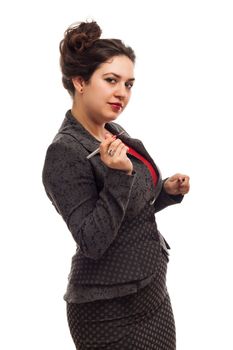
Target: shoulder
[64,143]
[64,153]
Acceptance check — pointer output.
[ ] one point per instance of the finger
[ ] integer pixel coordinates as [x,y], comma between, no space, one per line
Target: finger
[183,185]
[112,148]
[115,143]
[181,179]
[121,149]
[106,143]
[110,152]
[108,135]
[184,192]
[185,182]
[184,189]
[175,177]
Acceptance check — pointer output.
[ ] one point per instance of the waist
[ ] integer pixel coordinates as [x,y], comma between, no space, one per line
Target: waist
[116,266]
[77,293]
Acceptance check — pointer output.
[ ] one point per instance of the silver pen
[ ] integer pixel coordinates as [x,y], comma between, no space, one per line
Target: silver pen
[98,149]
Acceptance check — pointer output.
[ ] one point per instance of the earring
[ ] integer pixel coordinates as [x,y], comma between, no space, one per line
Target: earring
[81,90]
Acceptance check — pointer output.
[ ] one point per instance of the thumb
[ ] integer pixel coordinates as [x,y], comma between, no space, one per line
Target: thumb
[176,177]
[107,135]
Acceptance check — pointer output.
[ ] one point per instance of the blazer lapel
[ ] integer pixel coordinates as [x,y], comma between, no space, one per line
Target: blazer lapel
[131,142]
[73,128]
[138,146]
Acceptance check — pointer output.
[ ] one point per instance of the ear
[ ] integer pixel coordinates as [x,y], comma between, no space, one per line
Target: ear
[78,83]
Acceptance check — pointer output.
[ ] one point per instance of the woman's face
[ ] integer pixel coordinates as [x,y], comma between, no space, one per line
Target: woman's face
[108,91]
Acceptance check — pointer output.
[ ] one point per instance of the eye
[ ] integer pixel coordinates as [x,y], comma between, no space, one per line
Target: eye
[129,85]
[111,80]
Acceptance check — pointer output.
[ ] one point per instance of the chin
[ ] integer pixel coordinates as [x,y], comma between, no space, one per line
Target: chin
[112,117]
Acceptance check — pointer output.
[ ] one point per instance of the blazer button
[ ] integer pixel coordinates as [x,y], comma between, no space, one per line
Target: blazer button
[152,201]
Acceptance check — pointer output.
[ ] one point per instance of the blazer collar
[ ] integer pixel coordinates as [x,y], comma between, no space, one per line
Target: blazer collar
[75,129]
[72,127]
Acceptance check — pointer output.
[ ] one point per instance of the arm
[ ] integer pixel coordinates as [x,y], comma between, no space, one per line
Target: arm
[93,218]
[173,190]
[164,199]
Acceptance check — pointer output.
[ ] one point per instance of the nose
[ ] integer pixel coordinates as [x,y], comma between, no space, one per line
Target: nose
[121,91]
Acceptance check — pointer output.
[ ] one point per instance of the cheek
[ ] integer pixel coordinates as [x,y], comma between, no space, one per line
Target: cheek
[128,98]
[101,92]
[92,97]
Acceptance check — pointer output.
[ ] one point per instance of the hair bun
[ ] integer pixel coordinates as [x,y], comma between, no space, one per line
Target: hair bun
[82,35]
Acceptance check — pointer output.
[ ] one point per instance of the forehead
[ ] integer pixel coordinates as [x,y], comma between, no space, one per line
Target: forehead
[120,65]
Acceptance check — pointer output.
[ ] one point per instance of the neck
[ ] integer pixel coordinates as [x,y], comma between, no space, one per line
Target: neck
[95,129]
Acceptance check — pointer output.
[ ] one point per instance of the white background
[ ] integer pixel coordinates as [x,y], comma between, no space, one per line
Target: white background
[181,109]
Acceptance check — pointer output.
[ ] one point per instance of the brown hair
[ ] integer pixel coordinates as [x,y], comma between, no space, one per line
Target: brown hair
[82,52]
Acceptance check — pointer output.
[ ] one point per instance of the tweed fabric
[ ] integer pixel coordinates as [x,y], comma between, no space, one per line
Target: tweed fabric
[142,321]
[139,239]
[109,214]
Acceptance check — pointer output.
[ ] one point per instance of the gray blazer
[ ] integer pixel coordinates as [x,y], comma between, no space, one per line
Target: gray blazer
[110,215]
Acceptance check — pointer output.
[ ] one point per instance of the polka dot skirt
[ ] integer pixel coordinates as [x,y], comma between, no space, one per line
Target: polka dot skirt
[142,321]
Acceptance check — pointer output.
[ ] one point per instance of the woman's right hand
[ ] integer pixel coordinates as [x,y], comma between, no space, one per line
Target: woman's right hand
[113,153]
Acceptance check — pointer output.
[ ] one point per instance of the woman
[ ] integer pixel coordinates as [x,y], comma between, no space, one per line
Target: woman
[107,188]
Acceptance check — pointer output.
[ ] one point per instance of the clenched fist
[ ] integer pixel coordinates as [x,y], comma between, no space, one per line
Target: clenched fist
[177,184]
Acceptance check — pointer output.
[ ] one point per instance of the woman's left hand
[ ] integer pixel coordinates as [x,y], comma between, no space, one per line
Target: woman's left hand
[177,184]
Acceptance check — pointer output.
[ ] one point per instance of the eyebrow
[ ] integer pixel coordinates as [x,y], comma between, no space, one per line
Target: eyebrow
[118,76]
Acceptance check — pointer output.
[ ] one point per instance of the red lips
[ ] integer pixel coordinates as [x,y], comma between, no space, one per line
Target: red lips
[116,106]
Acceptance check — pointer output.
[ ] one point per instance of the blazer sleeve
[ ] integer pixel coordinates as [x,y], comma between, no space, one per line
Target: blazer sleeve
[92,217]
[164,199]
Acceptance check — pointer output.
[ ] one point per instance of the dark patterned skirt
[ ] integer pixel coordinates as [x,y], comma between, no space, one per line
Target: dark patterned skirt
[141,321]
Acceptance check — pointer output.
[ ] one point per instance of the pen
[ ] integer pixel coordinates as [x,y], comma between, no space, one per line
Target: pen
[98,149]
